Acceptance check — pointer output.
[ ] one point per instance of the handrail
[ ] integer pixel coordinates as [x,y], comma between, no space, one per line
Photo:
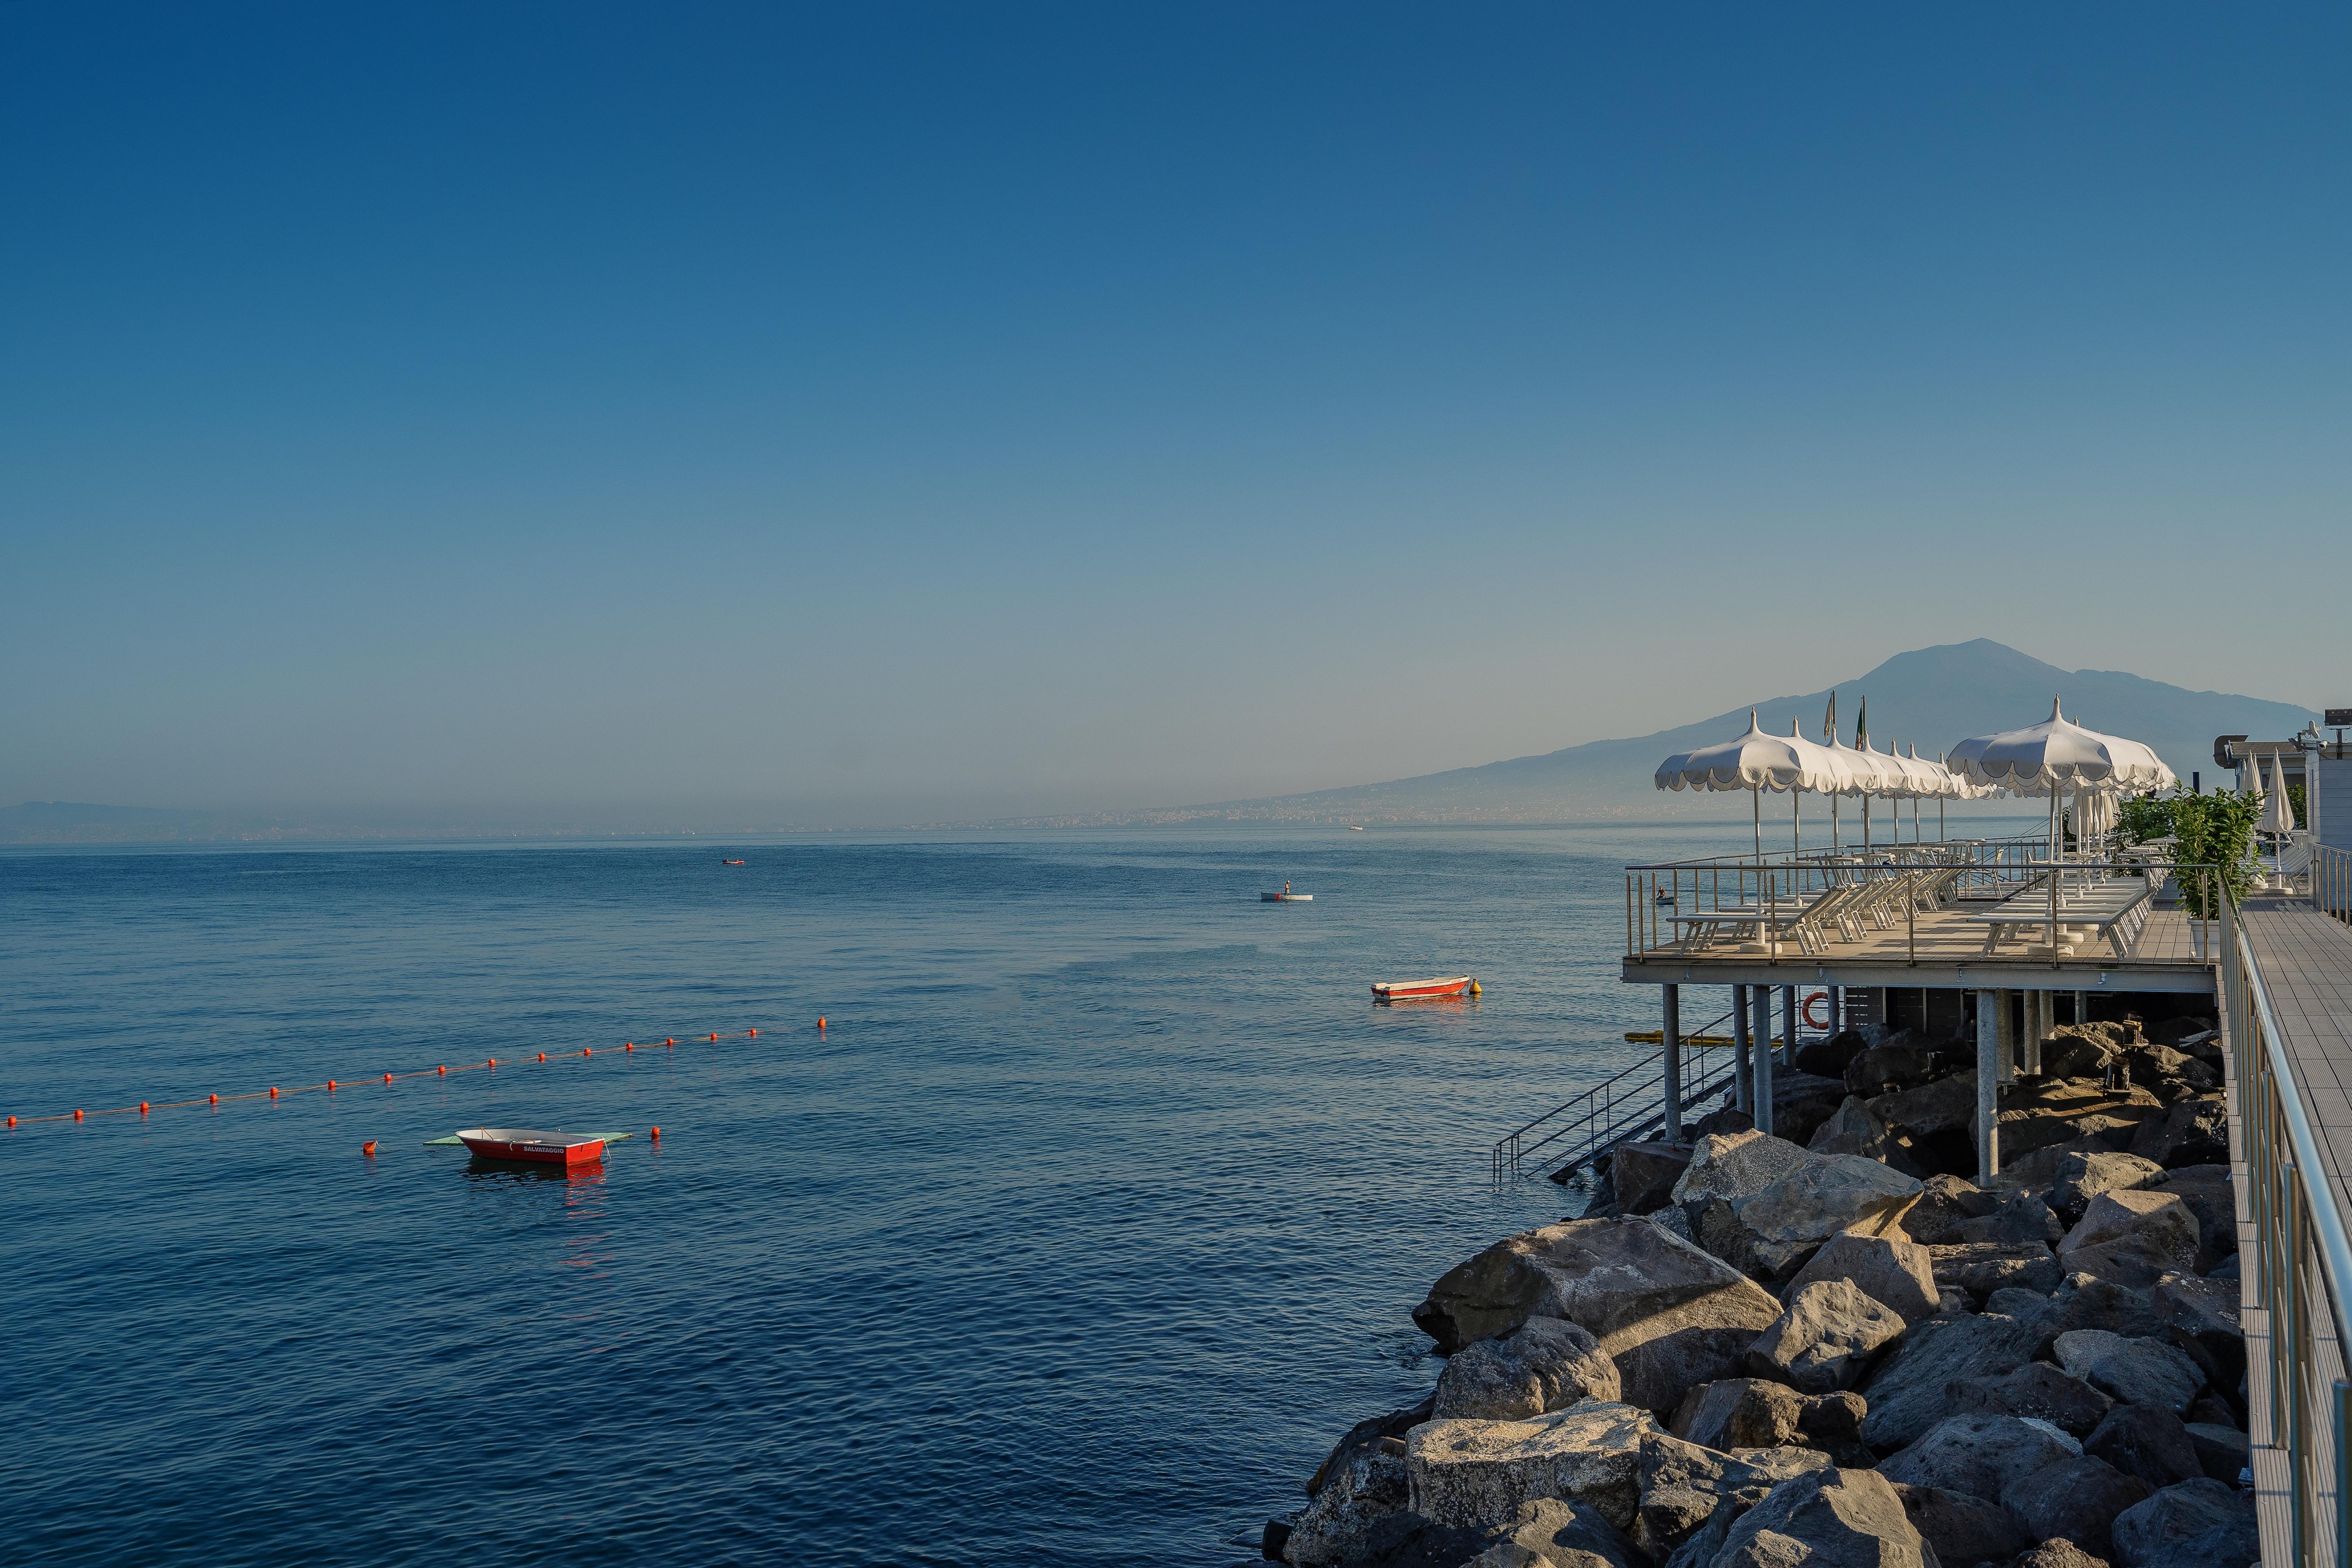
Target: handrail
[2331,881]
[2295,1212]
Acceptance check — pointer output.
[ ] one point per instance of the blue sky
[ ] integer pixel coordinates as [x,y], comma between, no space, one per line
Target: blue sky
[881,413]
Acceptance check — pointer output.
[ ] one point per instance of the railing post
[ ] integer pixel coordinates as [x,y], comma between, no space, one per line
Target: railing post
[1761,998]
[1989,1005]
[1672,1040]
[1743,1085]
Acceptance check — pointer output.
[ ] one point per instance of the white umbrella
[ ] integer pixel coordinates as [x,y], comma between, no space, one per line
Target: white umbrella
[2278,813]
[1756,762]
[1874,774]
[2045,758]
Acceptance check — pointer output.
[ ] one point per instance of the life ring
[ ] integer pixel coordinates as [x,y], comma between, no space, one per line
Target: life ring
[1823,1021]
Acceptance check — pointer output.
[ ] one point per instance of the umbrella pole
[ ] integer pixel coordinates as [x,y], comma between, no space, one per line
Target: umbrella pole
[1796,812]
[1757,796]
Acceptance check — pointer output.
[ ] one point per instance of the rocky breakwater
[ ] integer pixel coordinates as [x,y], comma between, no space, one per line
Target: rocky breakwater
[1750,1352]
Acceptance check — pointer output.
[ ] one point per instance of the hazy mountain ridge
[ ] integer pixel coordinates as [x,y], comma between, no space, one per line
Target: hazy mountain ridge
[1932,696]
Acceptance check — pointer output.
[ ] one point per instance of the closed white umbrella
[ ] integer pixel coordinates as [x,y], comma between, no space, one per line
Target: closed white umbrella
[1755,762]
[2278,814]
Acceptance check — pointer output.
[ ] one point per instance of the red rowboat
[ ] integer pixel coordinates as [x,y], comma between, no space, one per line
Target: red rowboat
[1406,990]
[548,1148]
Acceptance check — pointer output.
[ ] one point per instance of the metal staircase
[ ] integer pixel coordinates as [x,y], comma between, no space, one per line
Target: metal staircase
[1625,1109]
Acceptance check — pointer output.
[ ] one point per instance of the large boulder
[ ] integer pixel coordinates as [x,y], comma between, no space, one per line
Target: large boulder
[2206,1190]
[2196,1525]
[1978,1455]
[1544,1364]
[1824,1338]
[1899,1274]
[2038,1392]
[2193,1132]
[1888,1068]
[1981,1268]
[2019,1217]
[2076,1499]
[1785,1223]
[2147,1372]
[1642,1175]
[1557,1532]
[1736,1166]
[2039,1114]
[2082,1050]
[1365,1437]
[1479,1472]
[1946,1105]
[2059,1553]
[2134,1237]
[2143,1441]
[2083,1301]
[2204,1313]
[1906,1391]
[1667,1314]
[2223,1452]
[1801,1102]
[1336,1528]
[1962,1528]
[1739,1412]
[2038,1172]
[1683,1486]
[1834,1519]
[2082,1176]
[1946,1203]
[1852,1129]
[1828,1059]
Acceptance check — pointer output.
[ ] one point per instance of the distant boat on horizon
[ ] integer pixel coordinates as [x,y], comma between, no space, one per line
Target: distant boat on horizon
[730,862]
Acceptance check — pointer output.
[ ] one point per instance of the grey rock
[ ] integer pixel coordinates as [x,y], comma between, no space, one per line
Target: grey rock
[1544,1364]
[2143,1441]
[1980,1268]
[1479,1472]
[1557,1532]
[1852,1129]
[1835,1519]
[1945,1202]
[1642,1175]
[2038,1172]
[1907,1389]
[1739,1412]
[2040,1392]
[1683,1486]
[2075,1050]
[1953,1303]
[2193,1132]
[1736,1166]
[1801,1102]
[2059,1553]
[2076,1499]
[1946,1105]
[1672,1219]
[1789,1220]
[2207,1192]
[2083,1301]
[1335,1527]
[1404,1539]
[2147,1372]
[1823,1341]
[1962,1527]
[2222,1451]
[1978,1455]
[1831,1423]
[2017,1301]
[2045,1114]
[1887,1068]
[2084,1176]
[1667,1314]
[2216,1521]
[2080,1350]
[2022,1218]
[2137,1261]
[2164,1227]
[1364,1437]
[1898,1274]
[1828,1057]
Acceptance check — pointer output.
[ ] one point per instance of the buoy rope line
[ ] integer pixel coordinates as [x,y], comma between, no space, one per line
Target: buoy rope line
[335,1086]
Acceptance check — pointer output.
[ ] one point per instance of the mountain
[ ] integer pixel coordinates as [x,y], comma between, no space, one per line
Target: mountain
[1932,696]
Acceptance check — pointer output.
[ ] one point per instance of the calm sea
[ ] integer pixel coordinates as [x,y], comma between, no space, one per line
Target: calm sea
[1090,1220]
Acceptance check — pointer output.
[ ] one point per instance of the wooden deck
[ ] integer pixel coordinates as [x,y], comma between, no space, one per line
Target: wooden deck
[1946,949]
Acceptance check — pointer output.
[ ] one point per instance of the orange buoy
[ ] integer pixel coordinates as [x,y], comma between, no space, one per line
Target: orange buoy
[331,1083]
[213,1099]
[491,1063]
[12,1121]
[387,1077]
[543,1055]
[820,1023]
[587,1050]
[77,1116]
[627,1048]
[143,1108]
[755,1034]
[443,1069]
[714,1036]
[273,1091]
[368,1148]
[655,1133]
[671,1041]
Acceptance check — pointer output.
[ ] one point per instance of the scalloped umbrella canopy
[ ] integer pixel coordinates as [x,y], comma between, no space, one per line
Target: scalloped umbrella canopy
[1883,773]
[1928,779]
[1756,760]
[2057,754]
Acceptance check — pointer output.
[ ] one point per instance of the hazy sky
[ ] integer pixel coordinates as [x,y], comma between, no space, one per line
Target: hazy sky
[884,412]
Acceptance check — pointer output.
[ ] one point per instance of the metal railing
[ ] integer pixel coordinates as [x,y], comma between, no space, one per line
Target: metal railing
[2331,881]
[2303,1263]
[1624,1108]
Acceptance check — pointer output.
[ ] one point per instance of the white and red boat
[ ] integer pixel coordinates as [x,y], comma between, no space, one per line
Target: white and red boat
[1414,990]
[546,1148]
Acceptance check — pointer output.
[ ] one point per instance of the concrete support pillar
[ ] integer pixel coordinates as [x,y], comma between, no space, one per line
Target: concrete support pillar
[2081,1006]
[1789,1027]
[2039,1006]
[1837,1008]
[1743,1085]
[1673,1026]
[2009,1010]
[1992,1007]
[1760,997]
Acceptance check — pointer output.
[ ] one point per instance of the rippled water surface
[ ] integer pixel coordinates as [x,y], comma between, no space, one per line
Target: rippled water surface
[1089,1222]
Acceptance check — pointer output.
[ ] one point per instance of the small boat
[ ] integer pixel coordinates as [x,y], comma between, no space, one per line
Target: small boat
[542,1148]
[1413,990]
[1353,828]
[730,862]
[1287,898]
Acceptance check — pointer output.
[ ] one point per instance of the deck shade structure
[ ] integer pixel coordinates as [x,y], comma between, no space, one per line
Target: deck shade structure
[2056,755]
[1874,773]
[1755,762]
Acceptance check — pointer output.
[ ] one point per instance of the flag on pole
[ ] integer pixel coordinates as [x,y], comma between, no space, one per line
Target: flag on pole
[1829,721]
[1862,723]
